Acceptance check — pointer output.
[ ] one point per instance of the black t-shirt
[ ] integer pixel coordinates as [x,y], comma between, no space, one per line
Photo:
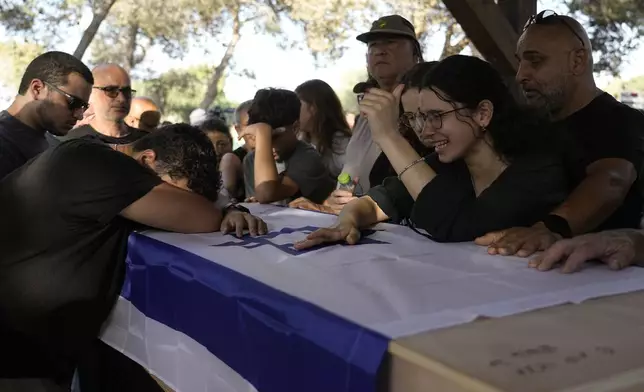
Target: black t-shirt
[18,143]
[382,168]
[448,210]
[241,153]
[62,251]
[606,128]
[87,130]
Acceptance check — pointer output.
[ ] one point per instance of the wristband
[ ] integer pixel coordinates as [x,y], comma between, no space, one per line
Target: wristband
[558,225]
[234,207]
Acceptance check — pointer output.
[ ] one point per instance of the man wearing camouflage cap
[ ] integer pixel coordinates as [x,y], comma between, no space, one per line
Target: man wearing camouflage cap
[392,50]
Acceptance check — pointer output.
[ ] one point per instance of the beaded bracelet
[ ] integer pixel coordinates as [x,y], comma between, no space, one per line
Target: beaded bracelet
[409,166]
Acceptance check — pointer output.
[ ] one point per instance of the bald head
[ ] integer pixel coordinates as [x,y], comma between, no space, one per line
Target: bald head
[112,93]
[109,73]
[555,63]
[144,114]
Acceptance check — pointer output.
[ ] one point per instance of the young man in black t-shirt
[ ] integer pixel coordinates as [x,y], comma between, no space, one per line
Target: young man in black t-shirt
[53,94]
[603,139]
[66,218]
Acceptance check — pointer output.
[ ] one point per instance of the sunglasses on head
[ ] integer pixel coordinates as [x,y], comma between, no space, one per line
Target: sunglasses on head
[549,17]
[113,91]
[73,103]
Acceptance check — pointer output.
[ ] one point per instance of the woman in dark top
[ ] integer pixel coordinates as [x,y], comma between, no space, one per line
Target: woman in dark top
[488,170]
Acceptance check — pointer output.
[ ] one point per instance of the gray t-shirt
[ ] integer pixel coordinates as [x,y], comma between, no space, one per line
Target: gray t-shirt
[361,154]
[304,166]
[18,143]
[334,158]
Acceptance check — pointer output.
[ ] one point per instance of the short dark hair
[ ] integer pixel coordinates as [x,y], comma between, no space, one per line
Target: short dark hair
[184,151]
[215,125]
[275,107]
[54,68]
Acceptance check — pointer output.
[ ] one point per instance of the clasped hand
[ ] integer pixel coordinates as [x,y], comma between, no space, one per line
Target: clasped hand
[252,130]
[382,110]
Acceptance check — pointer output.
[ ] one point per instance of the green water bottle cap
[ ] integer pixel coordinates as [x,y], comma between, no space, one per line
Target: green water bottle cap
[344,178]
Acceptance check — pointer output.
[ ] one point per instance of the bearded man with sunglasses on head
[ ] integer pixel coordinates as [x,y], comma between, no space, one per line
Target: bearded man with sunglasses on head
[52,96]
[602,139]
[110,103]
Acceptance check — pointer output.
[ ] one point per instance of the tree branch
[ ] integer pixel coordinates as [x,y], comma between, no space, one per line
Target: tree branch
[448,48]
[90,32]
[213,84]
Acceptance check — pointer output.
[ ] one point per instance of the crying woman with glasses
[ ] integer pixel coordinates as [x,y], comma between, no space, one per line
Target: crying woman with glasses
[493,165]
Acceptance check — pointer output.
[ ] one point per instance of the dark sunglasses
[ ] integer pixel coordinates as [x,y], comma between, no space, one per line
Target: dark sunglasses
[73,103]
[113,91]
[547,17]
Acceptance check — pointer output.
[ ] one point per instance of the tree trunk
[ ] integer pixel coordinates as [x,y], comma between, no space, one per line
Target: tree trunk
[213,84]
[98,17]
[130,47]
[448,48]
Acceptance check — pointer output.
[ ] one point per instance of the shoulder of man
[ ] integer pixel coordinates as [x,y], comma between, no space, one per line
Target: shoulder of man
[7,120]
[135,133]
[608,109]
[83,130]
[83,142]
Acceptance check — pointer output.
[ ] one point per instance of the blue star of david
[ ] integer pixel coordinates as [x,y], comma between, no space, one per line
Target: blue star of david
[249,242]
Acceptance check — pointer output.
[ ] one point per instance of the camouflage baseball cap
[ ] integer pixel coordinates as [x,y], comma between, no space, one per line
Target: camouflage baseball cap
[394,25]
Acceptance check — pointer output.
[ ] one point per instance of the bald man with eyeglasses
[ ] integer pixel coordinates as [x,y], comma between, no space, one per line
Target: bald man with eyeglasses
[110,103]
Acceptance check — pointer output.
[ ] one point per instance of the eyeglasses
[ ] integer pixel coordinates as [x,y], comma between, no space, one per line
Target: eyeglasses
[417,121]
[73,103]
[223,144]
[547,17]
[113,91]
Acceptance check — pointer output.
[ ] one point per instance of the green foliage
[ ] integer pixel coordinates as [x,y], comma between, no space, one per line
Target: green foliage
[345,91]
[180,91]
[128,33]
[15,56]
[618,85]
[615,28]
[17,15]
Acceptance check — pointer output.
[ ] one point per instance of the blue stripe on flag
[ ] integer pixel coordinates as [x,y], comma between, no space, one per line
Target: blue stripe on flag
[275,341]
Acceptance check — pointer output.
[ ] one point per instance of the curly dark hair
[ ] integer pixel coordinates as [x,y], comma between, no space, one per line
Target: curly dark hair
[465,81]
[275,107]
[184,151]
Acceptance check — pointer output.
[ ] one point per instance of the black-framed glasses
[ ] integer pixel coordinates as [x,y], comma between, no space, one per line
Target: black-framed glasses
[113,91]
[418,120]
[547,17]
[73,103]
